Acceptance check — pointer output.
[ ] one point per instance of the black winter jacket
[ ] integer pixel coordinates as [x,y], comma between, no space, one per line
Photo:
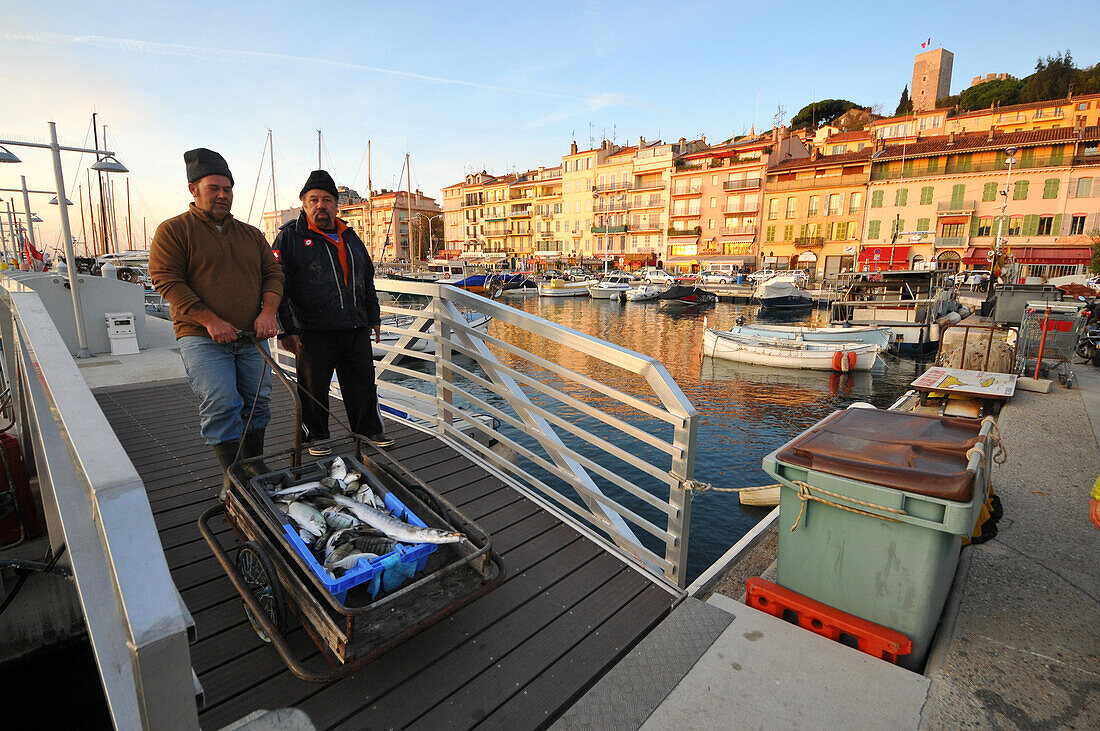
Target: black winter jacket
[315,296]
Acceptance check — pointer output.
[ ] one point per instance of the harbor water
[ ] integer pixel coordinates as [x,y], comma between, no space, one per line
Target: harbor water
[745,411]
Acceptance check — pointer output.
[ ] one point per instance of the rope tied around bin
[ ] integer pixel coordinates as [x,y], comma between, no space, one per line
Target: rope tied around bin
[804,495]
[997,449]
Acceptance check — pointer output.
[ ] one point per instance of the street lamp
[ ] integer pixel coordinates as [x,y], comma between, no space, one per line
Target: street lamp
[107,162]
[418,214]
[998,242]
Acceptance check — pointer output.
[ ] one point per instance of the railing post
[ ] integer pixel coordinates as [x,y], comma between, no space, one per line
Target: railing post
[444,376]
[679,499]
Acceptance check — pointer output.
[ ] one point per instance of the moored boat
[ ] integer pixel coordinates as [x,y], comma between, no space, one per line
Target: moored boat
[562,288]
[611,286]
[643,293]
[788,353]
[687,294]
[782,292]
[915,305]
[880,336]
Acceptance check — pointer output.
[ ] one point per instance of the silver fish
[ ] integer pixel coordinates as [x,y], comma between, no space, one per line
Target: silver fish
[374,544]
[337,569]
[297,489]
[338,470]
[351,477]
[336,519]
[308,518]
[334,539]
[399,530]
[367,497]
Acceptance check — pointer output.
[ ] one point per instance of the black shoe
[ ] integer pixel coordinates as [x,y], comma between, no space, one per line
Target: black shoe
[318,449]
[226,452]
[380,440]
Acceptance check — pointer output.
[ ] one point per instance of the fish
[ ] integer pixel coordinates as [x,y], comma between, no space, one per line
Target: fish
[348,562]
[374,544]
[351,477]
[338,470]
[399,530]
[367,497]
[298,489]
[337,519]
[308,518]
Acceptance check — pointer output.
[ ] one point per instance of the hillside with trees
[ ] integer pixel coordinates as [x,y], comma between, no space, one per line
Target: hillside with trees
[1054,78]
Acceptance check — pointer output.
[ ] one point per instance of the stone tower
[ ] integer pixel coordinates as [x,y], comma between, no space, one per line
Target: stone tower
[931,78]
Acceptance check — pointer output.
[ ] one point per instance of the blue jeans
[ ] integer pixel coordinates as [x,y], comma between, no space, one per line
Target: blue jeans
[225,377]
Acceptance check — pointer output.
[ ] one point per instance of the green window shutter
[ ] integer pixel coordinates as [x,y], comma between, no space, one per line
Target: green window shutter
[907,168]
[989,192]
[1031,225]
[957,193]
[1019,192]
[901,196]
[962,164]
[770,234]
[872,229]
[1027,158]
[876,199]
[841,230]
[1056,228]
[1050,188]
[802,232]
[933,167]
[829,231]
[788,233]
[1056,155]
[926,195]
[973,226]
[922,224]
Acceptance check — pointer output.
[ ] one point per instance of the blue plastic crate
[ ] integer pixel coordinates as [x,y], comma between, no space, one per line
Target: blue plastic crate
[363,572]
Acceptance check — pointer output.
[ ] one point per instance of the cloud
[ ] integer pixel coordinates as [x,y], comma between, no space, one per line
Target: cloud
[200,52]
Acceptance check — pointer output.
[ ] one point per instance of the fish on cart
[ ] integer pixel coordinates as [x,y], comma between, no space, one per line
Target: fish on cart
[397,529]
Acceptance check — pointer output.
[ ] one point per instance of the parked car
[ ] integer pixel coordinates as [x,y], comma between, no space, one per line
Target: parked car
[722,275]
[973,278]
[687,278]
[655,275]
[577,274]
[553,274]
[761,274]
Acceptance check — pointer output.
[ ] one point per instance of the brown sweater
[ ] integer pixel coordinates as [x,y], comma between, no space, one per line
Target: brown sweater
[191,261]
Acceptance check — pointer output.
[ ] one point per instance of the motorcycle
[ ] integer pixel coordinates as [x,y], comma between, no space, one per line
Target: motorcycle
[1088,346]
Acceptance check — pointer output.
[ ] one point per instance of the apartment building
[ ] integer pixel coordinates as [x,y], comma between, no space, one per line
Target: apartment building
[382,222]
[813,212]
[454,228]
[611,198]
[274,220]
[549,241]
[939,200]
[1073,111]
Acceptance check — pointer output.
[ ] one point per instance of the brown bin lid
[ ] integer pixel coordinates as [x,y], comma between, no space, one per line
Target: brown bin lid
[917,453]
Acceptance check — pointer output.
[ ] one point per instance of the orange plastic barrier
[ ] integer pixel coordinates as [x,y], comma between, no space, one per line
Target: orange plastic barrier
[871,638]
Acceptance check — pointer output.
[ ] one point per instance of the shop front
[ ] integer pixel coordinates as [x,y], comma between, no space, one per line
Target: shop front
[883,258]
[1036,264]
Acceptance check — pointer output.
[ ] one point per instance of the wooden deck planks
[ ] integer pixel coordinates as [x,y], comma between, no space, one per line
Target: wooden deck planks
[514,658]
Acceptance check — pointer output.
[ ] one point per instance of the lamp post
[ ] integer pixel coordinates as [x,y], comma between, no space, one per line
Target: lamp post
[1010,160]
[32,218]
[418,214]
[108,163]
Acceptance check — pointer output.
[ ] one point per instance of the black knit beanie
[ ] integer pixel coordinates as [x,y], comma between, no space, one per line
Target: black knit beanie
[201,162]
[319,180]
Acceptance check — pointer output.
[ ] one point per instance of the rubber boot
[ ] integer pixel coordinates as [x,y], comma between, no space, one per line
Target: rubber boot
[227,454]
[253,446]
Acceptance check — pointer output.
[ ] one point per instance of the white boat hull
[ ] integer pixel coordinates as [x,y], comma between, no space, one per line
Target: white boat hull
[783,353]
[643,294]
[880,336]
[476,320]
[561,288]
[602,292]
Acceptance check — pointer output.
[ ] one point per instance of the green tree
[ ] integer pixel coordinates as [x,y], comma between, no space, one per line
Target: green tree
[905,105]
[1051,80]
[817,114]
[999,92]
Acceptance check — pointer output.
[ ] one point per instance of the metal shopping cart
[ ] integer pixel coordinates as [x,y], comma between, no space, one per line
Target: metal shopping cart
[1049,332]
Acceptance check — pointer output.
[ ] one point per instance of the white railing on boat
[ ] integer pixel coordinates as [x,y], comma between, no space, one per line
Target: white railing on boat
[97,510]
[630,478]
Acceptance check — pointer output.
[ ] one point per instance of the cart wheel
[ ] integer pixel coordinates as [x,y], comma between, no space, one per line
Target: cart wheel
[257,571]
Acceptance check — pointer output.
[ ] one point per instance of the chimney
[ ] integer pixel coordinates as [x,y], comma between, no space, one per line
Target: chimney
[641,142]
[989,137]
[951,139]
[683,141]
[573,148]
[814,153]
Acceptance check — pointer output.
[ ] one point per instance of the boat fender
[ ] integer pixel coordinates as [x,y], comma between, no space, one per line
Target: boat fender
[844,360]
[838,360]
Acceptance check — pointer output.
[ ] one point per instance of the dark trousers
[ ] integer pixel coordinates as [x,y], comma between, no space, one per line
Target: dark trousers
[349,354]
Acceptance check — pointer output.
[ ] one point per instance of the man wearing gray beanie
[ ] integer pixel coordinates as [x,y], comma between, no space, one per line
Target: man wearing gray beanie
[221,279]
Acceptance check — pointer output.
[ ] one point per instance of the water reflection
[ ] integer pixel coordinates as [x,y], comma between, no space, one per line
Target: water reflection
[745,411]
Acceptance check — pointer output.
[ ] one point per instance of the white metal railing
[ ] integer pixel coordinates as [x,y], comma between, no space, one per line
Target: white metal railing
[97,508]
[612,460]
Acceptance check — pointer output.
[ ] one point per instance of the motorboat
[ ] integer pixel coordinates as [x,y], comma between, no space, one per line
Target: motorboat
[643,293]
[880,336]
[782,292]
[475,320]
[562,288]
[611,286]
[788,353]
[687,294]
[915,305]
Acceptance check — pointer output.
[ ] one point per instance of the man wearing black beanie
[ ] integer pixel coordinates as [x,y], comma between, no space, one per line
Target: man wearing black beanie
[328,315]
[221,278]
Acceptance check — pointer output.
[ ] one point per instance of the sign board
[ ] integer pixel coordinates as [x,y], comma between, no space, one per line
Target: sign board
[980,384]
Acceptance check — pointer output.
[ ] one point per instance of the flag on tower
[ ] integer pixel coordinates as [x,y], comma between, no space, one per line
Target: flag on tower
[926,44]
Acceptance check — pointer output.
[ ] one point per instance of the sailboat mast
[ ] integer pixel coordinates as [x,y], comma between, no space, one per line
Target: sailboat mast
[90,251]
[83,229]
[408,208]
[370,205]
[129,230]
[274,194]
[99,180]
[319,166]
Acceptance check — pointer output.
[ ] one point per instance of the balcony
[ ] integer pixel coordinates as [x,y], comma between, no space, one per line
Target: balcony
[744,208]
[685,214]
[546,234]
[621,185]
[737,230]
[741,184]
[945,207]
[652,185]
[525,213]
[621,229]
[883,172]
[493,220]
[682,232]
[689,190]
[681,166]
[612,207]
[950,241]
[655,224]
[655,201]
[822,182]
[809,242]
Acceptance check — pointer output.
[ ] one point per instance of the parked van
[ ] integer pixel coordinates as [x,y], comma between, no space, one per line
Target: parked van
[719,274]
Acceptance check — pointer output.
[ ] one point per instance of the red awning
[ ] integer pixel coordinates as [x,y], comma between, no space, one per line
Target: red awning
[882,254]
[1034,255]
[954,219]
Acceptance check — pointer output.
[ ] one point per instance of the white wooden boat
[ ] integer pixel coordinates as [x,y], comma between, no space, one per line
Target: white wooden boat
[788,353]
[766,497]
[880,336]
[610,287]
[642,294]
[562,288]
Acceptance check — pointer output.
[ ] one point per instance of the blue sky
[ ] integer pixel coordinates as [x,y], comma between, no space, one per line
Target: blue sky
[459,86]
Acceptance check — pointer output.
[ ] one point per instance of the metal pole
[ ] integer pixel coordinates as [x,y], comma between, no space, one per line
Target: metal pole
[114,214]
[70,257]
[11,230]
[129,235]
[3,239]
[27,210]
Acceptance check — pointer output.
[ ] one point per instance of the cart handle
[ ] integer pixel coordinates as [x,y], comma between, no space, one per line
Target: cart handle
[250,336]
